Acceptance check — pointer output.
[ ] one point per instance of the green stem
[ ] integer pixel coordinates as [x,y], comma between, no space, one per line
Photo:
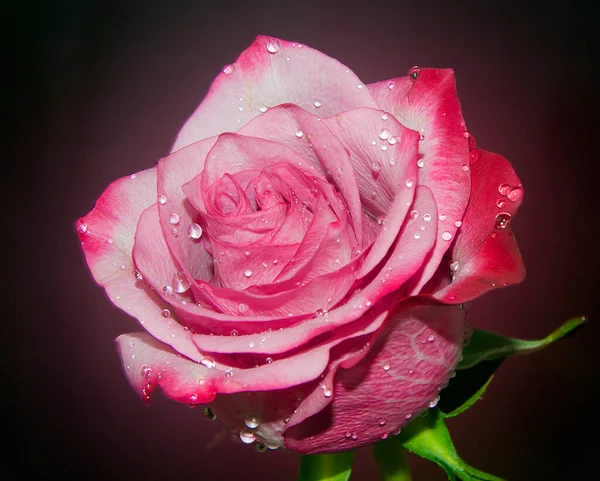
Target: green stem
[391,459]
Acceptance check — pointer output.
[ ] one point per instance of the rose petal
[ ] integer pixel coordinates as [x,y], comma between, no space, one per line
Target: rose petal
[173,172]
[429,105]
[306,135]
[107,242]
[269,73]
[412,247]
[486,254]
[404,368]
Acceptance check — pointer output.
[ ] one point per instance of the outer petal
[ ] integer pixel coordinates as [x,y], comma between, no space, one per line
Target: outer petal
[412,357]
[429,105]
[107,236]
[485,254]
[269,73]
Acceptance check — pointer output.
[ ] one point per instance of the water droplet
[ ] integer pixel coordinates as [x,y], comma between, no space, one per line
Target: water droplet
[407,416]
[209,414]
[272,46]
[251,344]
[354,437]
[208,362]
[320,312]
[382,219]
[162,200]
[248,272]
[427,217]
[392,140]
[174,232]
[229,372]
[430,338]
[228,69]
[133,176]
[269,360]
[474,156]
[242,307]
[340,172]
[138,275]
[391,84]
[252,422]
[383,436]
[515,194]
[458,223]
[234,332]
[434,401]
[465,168]
[420,163]
[168,291]
[192,399]
[384,134]
[247,437]
[286,419]
[384,116]
[384,147]
[504,188]
[414,214]
[165,313]
[194,231]
[81,227]
[368,302]
[240,108]
[502,220]
[174,219]
[261,448]
[417,235]
[446,236]
[327,392]
[376,166]
[299,133]
[392,161]
[454,266]
[381,421]
[180,283]
[410,183]
[500,203]
[317,103]
[414,72]
[386,367]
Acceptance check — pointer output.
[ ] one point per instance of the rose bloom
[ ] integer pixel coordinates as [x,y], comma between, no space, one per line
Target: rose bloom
[300,261]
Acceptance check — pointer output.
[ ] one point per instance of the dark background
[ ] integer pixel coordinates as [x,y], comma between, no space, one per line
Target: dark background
[97,90]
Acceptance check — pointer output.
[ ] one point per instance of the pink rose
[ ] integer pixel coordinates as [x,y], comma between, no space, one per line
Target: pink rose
[299,261]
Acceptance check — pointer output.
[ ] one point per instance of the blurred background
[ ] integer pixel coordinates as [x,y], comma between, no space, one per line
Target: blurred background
[96,90]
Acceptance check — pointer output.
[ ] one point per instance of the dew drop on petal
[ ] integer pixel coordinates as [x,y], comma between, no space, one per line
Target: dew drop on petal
[272,46]
[446,236]
[252,422]
[381,421]
[434,401]
[208,362]
[180,283]
[327,393]
[243,307]
[81,227]
[299,133]
[504,188]
[162,200]
[420,163]
[500,203]
[174,232]
[392,140]
[247,437]
[384,134]
[376,166]
[414,72]
[502,220]
[165,313]
[173,219]
[474,156]
[410,183]
[386,367]
[194,231]
[515,194]
[454,266]
[465,168]
[317,103]
[427,217]
[168,290]
[458,223]
[382,219]
[391,84]
[248,272]
[417,235]
[384,116]
[228,69]
[392,161]
[414,214]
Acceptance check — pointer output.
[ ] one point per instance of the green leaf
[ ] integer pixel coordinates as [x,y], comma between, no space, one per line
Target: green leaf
[326,467]
[391,459]
[428,437]
[486,345]
[466,388]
